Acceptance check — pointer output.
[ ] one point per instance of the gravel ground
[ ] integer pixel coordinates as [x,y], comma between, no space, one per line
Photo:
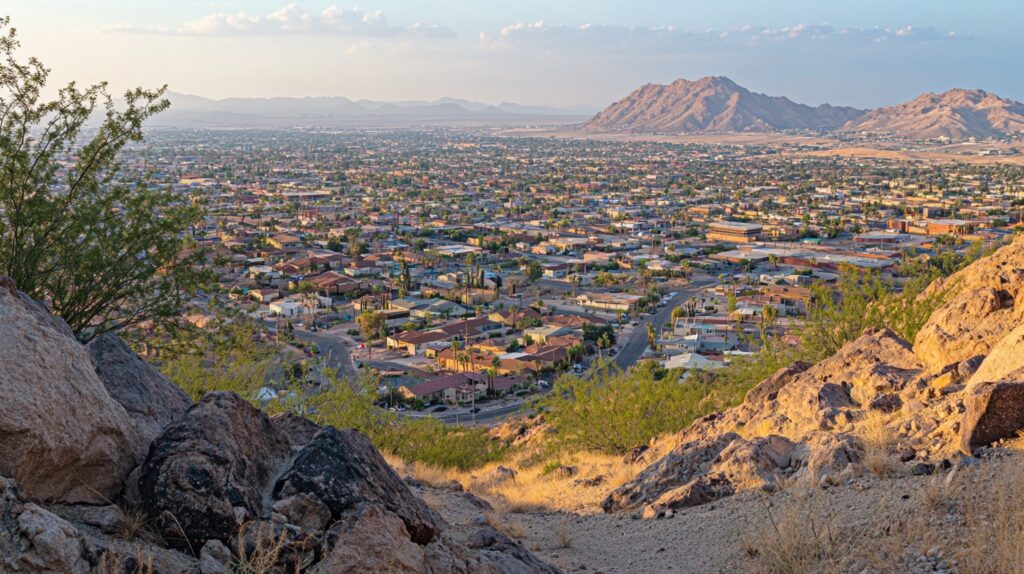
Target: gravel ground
[877,524]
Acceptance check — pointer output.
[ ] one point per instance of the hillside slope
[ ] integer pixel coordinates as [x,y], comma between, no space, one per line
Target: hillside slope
[954,114]
[713,104]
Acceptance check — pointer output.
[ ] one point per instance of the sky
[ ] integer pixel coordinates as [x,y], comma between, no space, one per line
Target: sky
[863,53]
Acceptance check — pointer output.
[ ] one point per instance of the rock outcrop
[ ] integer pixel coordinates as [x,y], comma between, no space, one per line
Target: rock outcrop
[995,411]
[152,401]
[342,470]
[62,436]
[802,423]
[219,480]
[958,388]
[984,303]
[209,472]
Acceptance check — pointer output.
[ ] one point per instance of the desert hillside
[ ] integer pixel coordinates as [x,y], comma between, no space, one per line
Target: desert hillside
[955,114]
[109,468]
[715,105]
[710,105]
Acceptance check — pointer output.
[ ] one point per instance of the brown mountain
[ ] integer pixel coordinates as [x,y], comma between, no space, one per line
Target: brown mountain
[713,104]
[954,114]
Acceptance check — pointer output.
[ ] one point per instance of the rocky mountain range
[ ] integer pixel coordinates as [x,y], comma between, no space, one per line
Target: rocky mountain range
[955,114]
[719,105]
[713,104]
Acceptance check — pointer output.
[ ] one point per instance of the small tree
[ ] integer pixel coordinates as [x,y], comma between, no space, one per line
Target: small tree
[371,323]
[104,251]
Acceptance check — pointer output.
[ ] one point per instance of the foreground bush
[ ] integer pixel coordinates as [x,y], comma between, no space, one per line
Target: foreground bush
[614,411]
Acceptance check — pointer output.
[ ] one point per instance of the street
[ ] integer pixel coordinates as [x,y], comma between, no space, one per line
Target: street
[634,347]
[333,350]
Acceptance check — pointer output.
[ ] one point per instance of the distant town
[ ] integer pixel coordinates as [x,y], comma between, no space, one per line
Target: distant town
[463,270]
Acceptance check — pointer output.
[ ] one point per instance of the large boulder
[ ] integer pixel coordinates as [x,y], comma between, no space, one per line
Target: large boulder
[376,540]
[343,470]
[299,430]
[210,470]
[62,436]
[876,363]
[152,401]
[677,468]
[1005,357]
[984,304]
[768,389]
[995,410]
[373,540]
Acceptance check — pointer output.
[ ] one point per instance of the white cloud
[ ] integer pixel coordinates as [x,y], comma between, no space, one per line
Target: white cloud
[671,39]
[291,19]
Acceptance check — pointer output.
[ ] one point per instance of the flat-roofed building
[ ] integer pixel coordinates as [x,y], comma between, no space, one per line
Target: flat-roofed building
[734,232]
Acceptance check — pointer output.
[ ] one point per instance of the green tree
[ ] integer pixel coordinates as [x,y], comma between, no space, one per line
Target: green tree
[104,251]
[534,271]
[730,302]
[371,323]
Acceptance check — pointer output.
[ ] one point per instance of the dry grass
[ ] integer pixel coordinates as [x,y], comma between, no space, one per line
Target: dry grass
[432,475]
[114,562]
[536,488]
[502,524]
[564,536]
[937,493]
[265,553]
[877,441]
[797,539]
[134,524]
[995,524]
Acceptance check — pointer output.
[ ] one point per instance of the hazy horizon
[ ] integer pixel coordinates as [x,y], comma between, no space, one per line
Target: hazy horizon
[573,54]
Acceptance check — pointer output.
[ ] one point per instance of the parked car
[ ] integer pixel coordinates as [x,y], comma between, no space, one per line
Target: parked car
[440,409]
[474,410]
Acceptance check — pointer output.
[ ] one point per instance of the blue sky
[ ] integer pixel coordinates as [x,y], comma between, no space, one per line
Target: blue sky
[865,53]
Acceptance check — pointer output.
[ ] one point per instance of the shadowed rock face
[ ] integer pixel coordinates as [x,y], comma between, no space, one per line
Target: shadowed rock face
[209,471]
[995,411]
[61,435]
[151,400]
[343,470]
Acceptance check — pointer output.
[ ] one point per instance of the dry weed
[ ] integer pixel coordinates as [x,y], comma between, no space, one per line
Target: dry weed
[507,527]
[265,553]
[877,441]
[564,535]
[113,562]
[995,525]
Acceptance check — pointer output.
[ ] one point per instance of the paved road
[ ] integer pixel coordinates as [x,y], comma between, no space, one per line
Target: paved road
[482,417]
[333,350]
[634,348]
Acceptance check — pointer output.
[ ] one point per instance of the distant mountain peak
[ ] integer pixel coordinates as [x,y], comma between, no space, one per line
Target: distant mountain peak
[713,104]
[956,114]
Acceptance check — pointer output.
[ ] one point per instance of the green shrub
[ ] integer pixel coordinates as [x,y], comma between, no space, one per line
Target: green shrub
[614,411]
